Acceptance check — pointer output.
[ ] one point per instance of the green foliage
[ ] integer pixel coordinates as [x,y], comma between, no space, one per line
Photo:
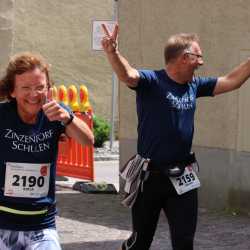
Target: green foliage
[101,131]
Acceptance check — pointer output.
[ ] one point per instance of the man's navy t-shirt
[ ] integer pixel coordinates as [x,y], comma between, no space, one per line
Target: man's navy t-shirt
[165,112]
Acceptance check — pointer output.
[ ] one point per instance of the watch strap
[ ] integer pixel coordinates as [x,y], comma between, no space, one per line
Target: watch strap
[71,117]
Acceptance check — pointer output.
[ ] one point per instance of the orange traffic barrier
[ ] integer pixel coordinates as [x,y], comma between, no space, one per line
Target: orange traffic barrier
[84,99]
[75,160]
[62,94]
[72,98]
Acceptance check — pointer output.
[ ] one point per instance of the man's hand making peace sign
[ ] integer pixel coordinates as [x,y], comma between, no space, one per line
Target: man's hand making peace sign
[109,41]
[120,65]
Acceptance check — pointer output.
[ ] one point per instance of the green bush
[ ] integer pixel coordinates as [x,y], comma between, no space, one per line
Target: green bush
[101,131]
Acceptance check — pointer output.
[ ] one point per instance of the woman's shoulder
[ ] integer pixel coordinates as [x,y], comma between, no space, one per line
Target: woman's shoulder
[6,107]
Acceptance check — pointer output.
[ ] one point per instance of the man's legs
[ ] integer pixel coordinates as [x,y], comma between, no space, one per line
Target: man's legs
[145,215]
[181,211]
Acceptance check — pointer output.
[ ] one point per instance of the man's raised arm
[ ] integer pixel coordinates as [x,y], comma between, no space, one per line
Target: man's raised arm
[234,79]
[120,65]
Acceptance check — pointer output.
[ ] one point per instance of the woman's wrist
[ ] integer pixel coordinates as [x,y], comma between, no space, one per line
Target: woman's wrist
[69,120]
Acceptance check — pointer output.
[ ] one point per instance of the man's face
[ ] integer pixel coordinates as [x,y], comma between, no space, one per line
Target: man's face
[194,57]
[30,91]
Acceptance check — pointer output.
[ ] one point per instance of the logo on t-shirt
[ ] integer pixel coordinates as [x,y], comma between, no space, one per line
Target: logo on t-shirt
[181,103]
[29,143]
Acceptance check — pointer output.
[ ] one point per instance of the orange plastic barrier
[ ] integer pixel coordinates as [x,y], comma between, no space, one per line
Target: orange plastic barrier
[75,160]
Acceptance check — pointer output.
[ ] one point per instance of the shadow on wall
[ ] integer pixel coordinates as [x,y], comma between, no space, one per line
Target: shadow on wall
[238,200]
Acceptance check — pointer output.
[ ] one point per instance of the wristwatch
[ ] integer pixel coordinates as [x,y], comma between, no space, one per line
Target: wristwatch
[71,117]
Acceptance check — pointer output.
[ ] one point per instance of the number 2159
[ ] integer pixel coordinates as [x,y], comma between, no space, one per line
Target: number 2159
[187,178]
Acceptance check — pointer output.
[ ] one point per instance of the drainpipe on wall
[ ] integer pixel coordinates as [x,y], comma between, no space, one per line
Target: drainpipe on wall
[114,86]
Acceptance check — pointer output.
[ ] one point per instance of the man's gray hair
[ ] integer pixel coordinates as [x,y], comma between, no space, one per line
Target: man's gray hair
[177,43]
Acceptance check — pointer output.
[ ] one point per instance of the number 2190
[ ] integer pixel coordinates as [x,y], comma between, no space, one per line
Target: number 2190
[29,181]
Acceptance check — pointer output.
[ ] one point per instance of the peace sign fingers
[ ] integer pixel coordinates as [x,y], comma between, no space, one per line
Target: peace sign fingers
[115,32]
[107,33]
[105,29]
[109,42]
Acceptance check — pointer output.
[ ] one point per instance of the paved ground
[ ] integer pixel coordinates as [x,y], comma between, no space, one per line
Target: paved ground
[99,222]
